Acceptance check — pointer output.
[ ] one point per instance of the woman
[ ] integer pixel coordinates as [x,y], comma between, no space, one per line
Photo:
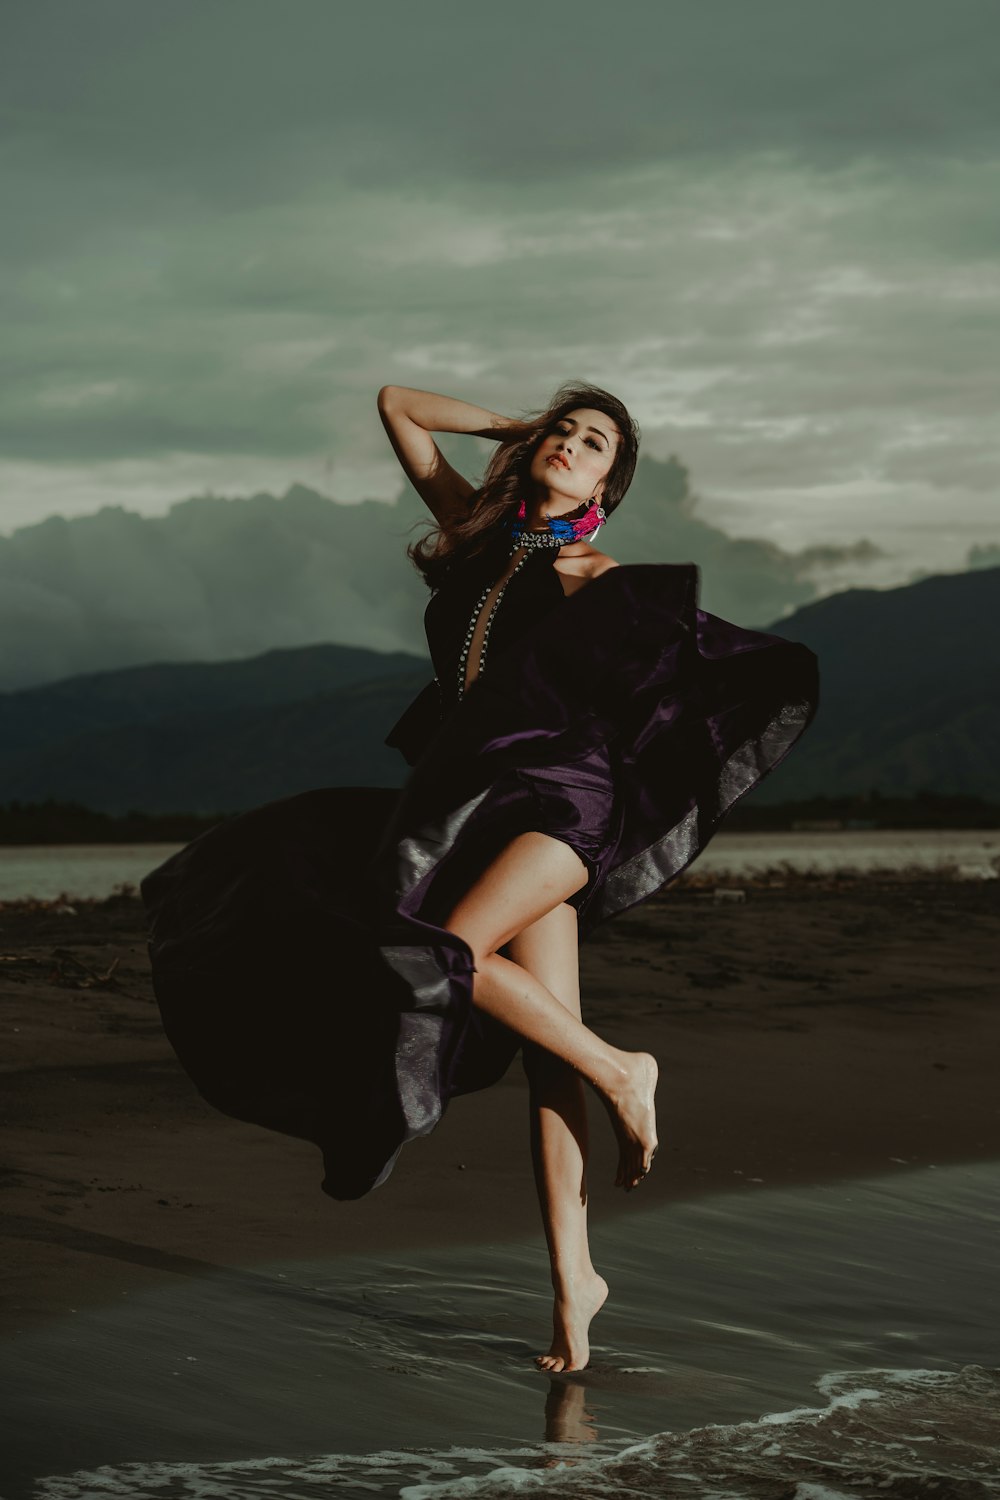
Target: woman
[588,728]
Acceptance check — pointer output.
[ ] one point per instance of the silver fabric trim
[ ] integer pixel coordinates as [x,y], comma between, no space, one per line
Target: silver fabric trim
[420,851]
[644,873]
[418,1039]
[647,871]
[417,1071]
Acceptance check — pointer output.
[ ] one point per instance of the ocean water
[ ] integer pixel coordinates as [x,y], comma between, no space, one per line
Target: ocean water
[774,1344]
[76,871]
[79,871]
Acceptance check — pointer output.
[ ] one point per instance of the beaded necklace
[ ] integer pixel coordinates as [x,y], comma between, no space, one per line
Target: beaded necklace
[557,531]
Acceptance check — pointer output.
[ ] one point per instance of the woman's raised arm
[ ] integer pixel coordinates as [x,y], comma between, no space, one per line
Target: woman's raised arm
[410,417]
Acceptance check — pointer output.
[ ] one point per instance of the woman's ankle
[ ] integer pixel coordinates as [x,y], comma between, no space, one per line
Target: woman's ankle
[567,1280]
[615,1076]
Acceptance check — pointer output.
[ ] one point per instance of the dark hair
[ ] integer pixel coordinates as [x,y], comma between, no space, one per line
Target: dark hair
[440,551]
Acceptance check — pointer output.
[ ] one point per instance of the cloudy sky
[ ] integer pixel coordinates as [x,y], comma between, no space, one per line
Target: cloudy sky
[771,227]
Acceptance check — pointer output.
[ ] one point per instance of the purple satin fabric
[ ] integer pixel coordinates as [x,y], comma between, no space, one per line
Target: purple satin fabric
[575,801]
[300,957]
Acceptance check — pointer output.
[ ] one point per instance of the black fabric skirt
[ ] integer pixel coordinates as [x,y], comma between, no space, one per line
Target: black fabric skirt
[300,959]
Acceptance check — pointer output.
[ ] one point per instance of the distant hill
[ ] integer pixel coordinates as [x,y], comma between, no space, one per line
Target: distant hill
[908,703]
[909,696]
[209,737]
[37,719]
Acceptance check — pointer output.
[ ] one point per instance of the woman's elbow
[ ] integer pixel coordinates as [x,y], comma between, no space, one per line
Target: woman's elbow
[386,396]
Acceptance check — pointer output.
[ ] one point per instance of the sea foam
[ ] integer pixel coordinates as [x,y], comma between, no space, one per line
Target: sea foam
[900,1434]
[884,1434]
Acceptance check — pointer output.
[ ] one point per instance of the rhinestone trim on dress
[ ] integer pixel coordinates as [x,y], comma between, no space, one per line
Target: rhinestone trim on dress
[470,632]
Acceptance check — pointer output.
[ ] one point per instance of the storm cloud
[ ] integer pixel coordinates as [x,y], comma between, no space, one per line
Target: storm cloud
[216,579]
[770,228]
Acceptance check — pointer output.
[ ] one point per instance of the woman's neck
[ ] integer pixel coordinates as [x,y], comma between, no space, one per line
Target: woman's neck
[543,510]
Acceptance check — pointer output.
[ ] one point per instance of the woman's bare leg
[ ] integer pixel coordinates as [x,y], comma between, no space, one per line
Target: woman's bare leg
[549,950]
[531,876]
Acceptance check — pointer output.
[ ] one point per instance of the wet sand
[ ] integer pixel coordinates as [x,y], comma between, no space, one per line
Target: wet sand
[827,1342]
[807,1032]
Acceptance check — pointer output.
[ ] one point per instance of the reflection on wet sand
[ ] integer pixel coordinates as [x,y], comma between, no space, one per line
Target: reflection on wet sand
[567,1417]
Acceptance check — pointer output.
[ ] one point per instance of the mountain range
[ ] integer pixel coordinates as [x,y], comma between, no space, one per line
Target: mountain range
[909,695]
[208,737]
[908,702]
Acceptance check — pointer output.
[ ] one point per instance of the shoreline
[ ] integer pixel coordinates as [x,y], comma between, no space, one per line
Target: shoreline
[810,1031]
[75,873]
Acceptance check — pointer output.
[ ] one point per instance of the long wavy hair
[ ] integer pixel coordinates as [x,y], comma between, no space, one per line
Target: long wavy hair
[506,479]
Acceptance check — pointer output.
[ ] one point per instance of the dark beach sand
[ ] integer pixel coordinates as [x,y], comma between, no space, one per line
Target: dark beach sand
[810,1035]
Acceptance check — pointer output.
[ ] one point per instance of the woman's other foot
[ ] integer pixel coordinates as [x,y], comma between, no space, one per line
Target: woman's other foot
[576,1304]
[633,1115]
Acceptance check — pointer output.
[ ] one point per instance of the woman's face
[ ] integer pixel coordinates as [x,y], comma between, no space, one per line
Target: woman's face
[575,455]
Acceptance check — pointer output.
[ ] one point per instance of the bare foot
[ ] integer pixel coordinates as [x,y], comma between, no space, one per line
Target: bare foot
[633,1115]
[574,1308]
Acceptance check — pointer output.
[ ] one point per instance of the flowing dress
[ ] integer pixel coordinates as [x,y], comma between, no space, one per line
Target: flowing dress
[301,962]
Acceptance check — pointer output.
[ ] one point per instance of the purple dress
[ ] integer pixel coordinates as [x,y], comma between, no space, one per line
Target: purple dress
[300,961]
